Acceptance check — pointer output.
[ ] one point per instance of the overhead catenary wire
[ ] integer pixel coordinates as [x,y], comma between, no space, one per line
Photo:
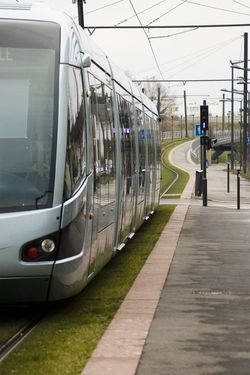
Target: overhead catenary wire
[199,57]
[194,56]
[216,8]
[195,3]
[238,2]
[151,47]
[169,11]
[105,6]
[170,35]
[141,12]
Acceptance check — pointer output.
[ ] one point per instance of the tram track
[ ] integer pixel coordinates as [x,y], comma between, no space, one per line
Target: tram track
[177,176]
[13,341]
[174,178]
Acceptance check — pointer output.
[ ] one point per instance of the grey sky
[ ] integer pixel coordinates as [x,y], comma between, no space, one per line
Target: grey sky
[197,54]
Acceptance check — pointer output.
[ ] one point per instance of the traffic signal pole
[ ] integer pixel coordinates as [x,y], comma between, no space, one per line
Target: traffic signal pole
[204,141]
[204,168]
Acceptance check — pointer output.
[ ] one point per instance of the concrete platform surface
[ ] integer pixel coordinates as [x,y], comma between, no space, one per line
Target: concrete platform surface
[188,310]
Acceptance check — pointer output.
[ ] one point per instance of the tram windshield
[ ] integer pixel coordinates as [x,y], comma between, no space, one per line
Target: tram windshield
[29,60]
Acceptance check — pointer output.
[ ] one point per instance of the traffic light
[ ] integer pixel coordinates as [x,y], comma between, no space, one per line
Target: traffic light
[204,117]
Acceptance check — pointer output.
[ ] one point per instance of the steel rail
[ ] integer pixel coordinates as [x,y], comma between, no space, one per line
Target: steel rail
[170,169]
[19,336]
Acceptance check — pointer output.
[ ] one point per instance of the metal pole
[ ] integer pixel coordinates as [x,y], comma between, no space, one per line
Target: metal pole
[80,13]
[181,126]
[223,112]
[159,100]
[232,119]
[241,134]
[204,174]
[201,153]
[228,177]
[238,189]
[245,103]
[185,109]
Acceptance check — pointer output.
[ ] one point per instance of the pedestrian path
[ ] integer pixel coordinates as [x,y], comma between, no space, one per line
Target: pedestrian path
[202,322]
[188,310]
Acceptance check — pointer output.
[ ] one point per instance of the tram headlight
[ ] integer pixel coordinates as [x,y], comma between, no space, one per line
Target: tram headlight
[48,245]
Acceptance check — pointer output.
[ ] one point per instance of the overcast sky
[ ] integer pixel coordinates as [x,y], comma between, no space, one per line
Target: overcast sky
[203,53]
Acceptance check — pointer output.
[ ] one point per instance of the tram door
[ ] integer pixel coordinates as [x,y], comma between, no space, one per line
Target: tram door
[157,161]
[151,165]
[128,175]
[103,173]
[148,169]
[155,176]
[141,168]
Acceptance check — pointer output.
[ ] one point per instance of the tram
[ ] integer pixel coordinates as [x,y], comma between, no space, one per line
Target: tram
[79,156]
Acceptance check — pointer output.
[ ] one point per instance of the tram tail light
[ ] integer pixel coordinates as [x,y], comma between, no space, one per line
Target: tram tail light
[41,249]
[31,253]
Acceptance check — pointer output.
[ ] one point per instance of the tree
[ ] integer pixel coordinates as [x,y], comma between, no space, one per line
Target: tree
[160,95]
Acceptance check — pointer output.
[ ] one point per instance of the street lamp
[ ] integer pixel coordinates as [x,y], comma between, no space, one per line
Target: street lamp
[240,111]
[223,100]
[245,92]
[245,102]
[181,125]
[223,112]
[232,116]
[232,91]
[240,92]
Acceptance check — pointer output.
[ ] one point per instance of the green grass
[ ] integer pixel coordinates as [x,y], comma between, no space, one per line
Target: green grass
[65,339]
[168,175]
[14,318]
[223,158]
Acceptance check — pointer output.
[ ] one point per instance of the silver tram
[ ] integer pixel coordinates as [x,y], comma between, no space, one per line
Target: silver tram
[79,156]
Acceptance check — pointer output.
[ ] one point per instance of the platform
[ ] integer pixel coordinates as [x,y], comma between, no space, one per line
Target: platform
[188,310]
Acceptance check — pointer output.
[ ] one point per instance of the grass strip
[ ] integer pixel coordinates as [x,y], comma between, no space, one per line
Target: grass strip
[13,319]
[167,174]
[65,339]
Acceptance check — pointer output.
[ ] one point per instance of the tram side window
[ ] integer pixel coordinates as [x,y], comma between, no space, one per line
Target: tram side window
[158,149]
[75,159]
[150,137]
[125,111]
[105,118]
[142,148]
[103,138]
